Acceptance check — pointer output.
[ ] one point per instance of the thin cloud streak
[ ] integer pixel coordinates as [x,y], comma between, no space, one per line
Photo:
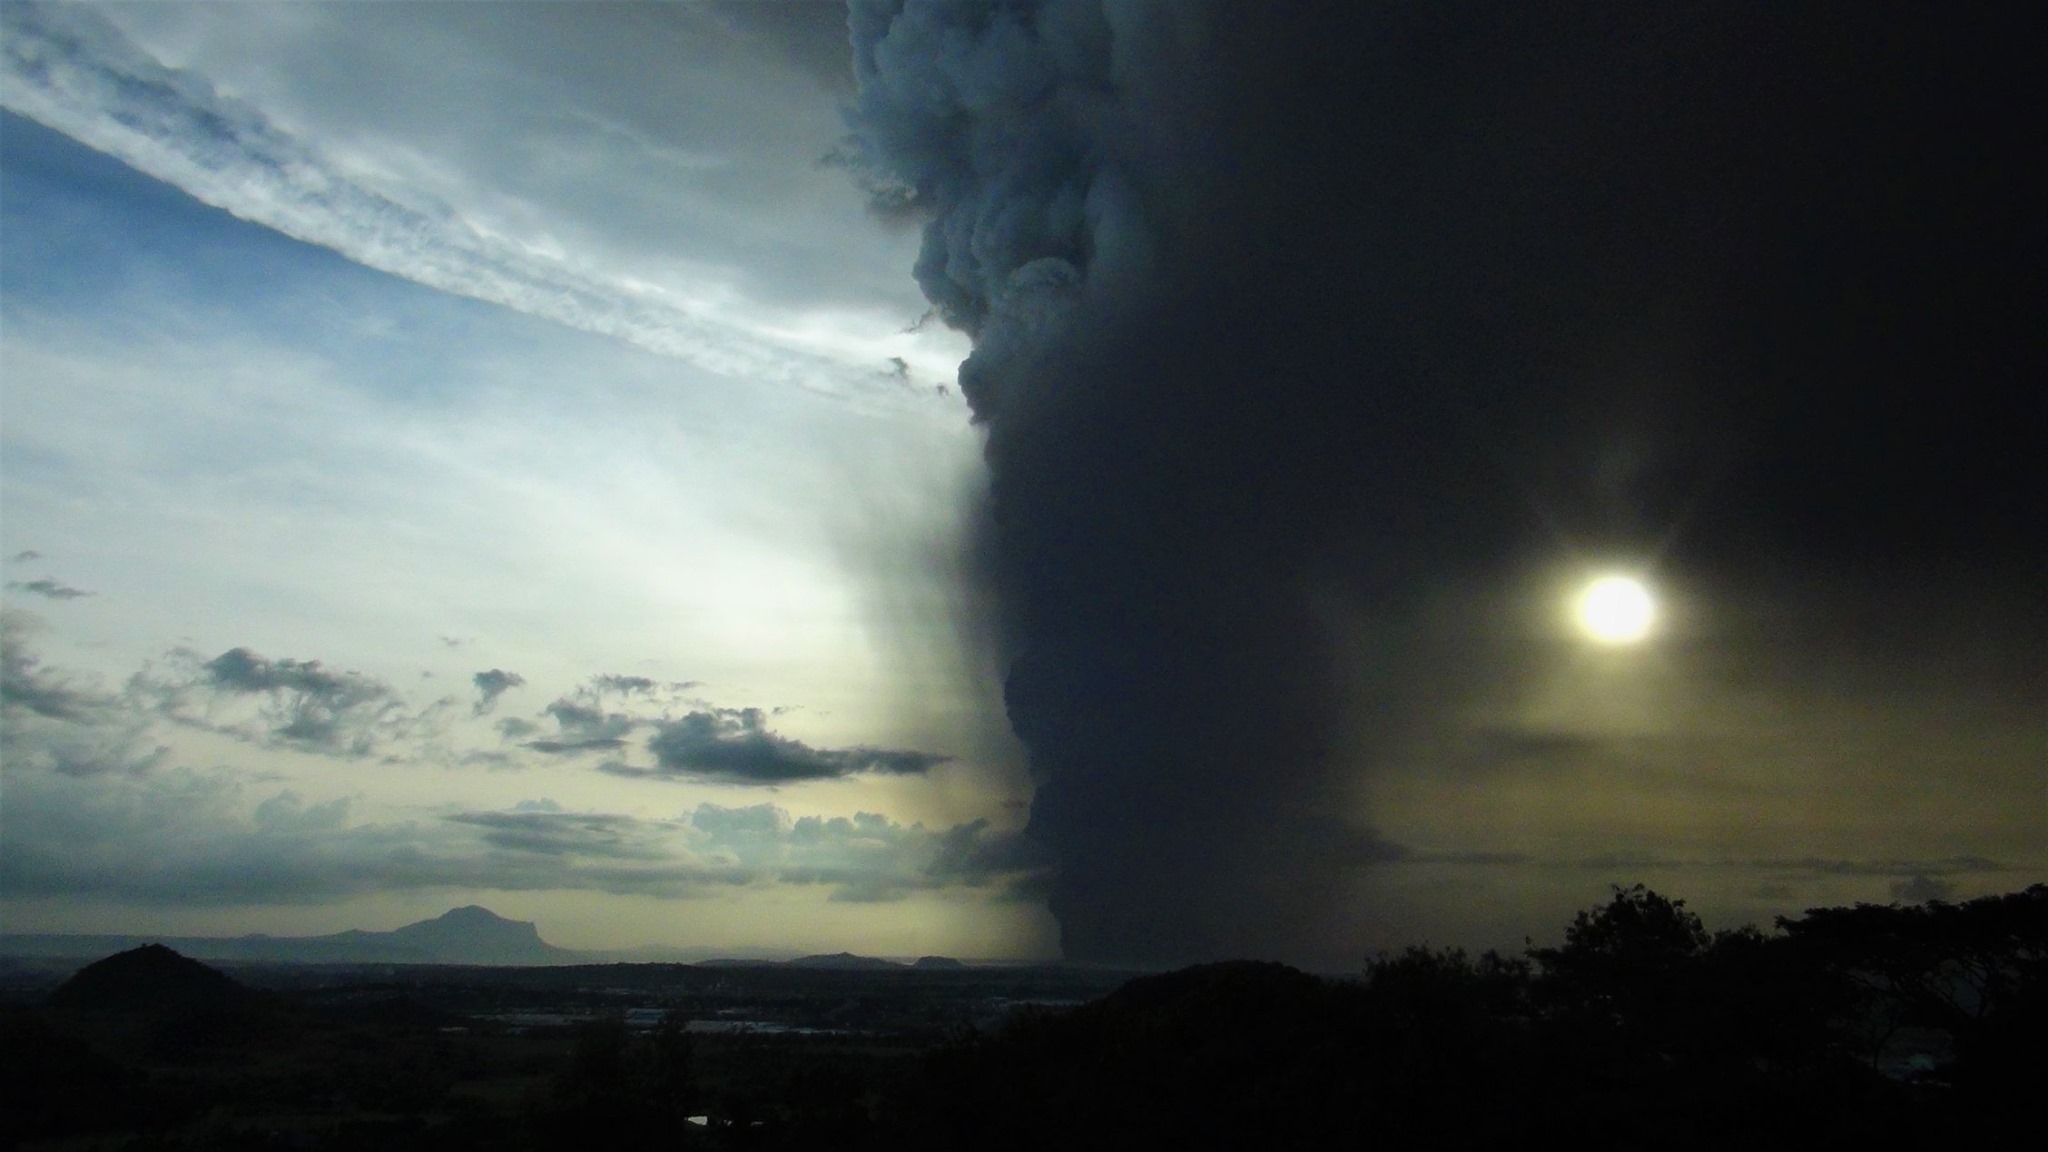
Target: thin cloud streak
[50,589]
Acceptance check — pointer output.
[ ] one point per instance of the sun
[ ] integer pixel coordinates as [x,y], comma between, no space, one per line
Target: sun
[1616,610]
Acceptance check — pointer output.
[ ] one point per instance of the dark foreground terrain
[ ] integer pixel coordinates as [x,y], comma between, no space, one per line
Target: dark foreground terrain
[1864,1027]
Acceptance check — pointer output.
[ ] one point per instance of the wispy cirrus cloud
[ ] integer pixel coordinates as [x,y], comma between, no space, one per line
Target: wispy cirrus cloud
[73,69]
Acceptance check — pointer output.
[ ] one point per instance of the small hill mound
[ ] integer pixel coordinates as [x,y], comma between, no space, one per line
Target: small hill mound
[1235,1055]
[1235,990]
[148,978]
[937,962]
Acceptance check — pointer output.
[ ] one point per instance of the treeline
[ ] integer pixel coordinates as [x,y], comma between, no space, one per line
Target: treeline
[1870,1026]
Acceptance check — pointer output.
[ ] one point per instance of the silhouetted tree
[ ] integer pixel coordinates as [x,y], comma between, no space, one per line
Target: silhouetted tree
[1976,970]
[1628,969]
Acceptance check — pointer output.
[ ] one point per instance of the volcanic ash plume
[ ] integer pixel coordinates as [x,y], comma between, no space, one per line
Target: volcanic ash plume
[1294,323]
[1165,673]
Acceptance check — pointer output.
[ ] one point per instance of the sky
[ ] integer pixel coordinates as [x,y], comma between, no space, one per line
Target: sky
[1012,480]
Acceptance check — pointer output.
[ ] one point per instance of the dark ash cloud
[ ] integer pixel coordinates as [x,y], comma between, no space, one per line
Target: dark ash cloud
[25,555]
[492,684]
[734,746]
[1285,316]
[49,589]
[809,34]
[973,855]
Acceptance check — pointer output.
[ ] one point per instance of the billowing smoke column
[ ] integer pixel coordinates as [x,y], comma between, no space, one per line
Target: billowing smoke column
[1150,548]
[1277,306]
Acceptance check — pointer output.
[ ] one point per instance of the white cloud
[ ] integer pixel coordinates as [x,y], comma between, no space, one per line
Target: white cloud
[395,205]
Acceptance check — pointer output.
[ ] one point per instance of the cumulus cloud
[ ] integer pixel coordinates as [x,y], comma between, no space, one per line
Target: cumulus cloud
[97,806]
[866,857]
[301,705]
[582,727]
[490,685]
[180,837]
[55,724]
[27,687]
[734,746]
[623,685]
[600,713]
[306,706]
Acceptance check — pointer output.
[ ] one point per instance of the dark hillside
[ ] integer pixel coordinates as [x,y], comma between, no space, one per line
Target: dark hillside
[150,978]
[1222,1055]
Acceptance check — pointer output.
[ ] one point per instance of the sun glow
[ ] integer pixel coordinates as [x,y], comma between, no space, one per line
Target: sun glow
[1616,610]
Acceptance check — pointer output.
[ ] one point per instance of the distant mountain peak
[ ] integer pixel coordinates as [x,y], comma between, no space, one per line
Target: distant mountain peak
[473,934]
[472,913]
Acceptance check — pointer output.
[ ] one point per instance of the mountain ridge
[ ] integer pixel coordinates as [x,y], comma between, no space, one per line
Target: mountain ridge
[468,935]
